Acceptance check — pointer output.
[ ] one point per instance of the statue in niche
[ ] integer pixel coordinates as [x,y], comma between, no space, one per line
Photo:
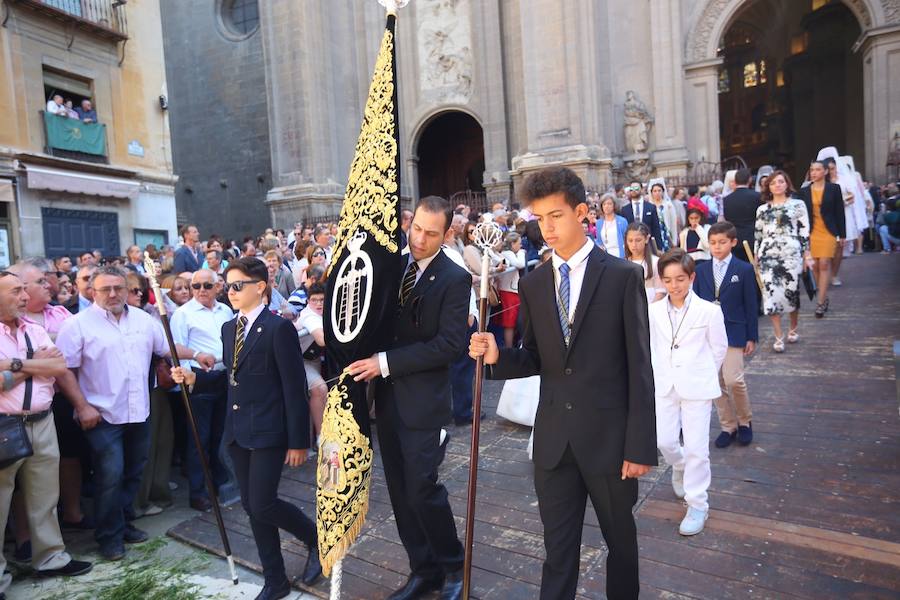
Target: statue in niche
[638,122]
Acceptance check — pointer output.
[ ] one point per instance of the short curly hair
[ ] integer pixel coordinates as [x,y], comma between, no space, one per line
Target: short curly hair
[550,181]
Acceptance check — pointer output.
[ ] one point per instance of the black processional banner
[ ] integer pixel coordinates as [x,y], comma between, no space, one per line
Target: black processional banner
[360,307]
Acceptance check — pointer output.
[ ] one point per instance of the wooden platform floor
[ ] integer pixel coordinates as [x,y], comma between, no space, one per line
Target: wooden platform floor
[810,510]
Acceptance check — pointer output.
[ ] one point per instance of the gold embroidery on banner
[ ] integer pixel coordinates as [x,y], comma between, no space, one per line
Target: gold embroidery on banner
[370,202]
[343,476]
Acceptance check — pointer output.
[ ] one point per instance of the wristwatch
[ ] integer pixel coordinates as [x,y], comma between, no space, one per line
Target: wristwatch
[15,365]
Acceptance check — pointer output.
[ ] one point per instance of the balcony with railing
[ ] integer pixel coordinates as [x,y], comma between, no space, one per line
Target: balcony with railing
[105,18]
[74,139]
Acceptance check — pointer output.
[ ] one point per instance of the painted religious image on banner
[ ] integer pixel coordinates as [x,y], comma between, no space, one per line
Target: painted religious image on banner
[331,475]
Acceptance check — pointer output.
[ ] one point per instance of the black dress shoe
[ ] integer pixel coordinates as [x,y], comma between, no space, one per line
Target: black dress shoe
[312,570]
[72,568]
[275,592]
[201,503]
[416,587]
[468,420]
[133,535]
[453,585]
[745,434]
[725,438]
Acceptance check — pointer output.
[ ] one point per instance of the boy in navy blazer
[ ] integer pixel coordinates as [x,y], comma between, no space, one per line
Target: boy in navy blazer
[731,283]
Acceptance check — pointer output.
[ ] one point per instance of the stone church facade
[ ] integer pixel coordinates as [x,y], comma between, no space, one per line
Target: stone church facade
[611,89]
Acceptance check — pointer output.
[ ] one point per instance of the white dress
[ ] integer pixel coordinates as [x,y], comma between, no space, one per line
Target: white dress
[653,285]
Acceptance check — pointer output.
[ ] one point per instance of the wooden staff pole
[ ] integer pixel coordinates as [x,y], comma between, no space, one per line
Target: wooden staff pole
[150,268]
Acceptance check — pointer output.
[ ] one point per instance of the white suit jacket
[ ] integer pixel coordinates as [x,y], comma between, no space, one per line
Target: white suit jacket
[693,367]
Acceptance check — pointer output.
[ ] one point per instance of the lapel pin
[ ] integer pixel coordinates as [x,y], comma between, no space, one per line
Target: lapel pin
[259,330]
[431,278]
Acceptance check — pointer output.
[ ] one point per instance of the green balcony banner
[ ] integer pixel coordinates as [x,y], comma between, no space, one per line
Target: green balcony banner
[64,133]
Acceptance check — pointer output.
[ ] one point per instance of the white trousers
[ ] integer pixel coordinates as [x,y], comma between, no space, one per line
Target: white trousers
[691,418]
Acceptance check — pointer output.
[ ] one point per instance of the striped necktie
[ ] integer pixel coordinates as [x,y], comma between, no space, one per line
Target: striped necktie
[238,342]
[562,305]
[409,282]
[719,275]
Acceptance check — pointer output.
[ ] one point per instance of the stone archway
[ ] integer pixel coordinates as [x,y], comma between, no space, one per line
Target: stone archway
[878,42]
[716,16]
[449,150]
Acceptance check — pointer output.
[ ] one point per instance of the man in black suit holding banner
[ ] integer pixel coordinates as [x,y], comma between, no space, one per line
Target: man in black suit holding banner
[412,401]
[585,332]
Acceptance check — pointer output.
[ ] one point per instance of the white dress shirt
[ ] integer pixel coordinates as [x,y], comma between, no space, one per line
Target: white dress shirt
[423,264]
[113,359]
[721,264]
[577,266]
[200,328]
[637,206]
[251,318]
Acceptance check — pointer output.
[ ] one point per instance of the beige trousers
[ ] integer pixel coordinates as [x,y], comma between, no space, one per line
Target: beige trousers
[733,406]
[39,480]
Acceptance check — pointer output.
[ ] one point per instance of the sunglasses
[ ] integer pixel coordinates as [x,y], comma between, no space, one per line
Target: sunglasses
[238,286]
[318,254]
[135,291]
[206,286]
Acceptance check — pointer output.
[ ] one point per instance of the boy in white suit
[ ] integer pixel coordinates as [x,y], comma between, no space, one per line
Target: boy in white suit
[688,343]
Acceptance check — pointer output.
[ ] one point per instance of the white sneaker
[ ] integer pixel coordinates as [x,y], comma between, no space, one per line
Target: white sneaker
[693,521]
[678,482]
[836,282]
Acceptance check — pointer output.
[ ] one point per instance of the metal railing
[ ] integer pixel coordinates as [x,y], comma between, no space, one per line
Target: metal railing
[105,17]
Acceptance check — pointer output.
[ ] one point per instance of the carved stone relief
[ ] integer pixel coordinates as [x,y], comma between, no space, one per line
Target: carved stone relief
[445,50]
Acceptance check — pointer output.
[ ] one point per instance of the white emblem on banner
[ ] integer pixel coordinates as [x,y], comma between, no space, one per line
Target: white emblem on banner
[352,294]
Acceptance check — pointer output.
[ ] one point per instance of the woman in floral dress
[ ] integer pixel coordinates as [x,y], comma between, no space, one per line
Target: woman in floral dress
[782,252]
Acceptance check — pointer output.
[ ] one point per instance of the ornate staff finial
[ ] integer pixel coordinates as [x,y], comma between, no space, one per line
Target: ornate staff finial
[487,235]
[150,272]
[393,5]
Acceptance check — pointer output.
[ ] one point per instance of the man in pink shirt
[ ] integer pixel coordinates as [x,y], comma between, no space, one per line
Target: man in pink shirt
[109,347]
[29,362]
[71,411]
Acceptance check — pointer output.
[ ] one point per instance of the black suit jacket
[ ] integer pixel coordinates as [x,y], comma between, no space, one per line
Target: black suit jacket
[832,208]
[650,218]
[739,208]
[270,406]
[597,396]
[429,335]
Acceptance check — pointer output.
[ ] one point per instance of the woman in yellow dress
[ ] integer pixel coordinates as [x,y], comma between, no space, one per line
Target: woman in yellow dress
[825,204]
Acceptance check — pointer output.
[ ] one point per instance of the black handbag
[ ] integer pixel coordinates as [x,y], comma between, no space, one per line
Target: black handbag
[14,441]
[809,283]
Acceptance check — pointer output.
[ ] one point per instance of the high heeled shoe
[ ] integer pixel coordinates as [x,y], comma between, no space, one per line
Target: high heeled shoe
[778,346]
[820,310]
[793,337]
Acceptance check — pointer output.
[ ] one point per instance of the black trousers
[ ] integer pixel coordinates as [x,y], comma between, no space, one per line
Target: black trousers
[258,473]
[424,518]
[562,495]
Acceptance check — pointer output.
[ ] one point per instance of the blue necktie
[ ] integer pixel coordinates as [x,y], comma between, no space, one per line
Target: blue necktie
[563,304]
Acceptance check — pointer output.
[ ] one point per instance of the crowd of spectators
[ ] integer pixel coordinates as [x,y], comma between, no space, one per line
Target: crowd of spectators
[103,367]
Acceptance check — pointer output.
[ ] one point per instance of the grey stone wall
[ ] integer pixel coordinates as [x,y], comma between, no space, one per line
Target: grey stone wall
[219,120]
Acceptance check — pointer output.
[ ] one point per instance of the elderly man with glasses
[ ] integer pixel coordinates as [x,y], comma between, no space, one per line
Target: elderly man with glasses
[108,347]
[198,324]
[29,362]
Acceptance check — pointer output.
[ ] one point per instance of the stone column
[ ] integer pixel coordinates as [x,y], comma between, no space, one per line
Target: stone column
[701,100]
[881,63]
[561,42]
[311,76]
[670,156]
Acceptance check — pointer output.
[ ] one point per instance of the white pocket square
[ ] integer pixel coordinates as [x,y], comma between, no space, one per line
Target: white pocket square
[735,279]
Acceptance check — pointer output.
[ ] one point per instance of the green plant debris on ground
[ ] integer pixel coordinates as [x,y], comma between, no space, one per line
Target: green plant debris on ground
[145,574]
